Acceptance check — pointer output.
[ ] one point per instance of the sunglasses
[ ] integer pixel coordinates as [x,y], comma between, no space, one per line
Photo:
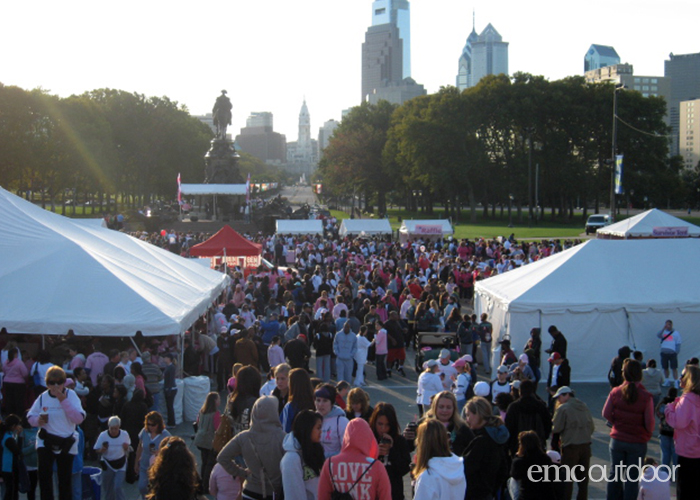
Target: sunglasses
[151,424]
[56,382]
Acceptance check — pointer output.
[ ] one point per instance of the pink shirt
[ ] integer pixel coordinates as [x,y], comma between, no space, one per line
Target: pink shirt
[380,342]
[95,364]
[15,372]
[223,485]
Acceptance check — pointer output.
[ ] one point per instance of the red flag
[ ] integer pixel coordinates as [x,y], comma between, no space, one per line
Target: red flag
[179,192]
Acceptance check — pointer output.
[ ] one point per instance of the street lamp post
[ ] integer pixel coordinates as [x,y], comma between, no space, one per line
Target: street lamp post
[618,86]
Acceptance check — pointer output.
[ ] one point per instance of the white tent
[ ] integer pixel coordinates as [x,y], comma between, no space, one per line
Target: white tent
[653,223]
[370,227]
[601,295]
[425,229]
[300,226]
[209,189]
[90,222]
[57,275]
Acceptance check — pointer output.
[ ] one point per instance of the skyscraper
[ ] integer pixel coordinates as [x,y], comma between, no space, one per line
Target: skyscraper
[260,140]
[489,56]
[684,73]
[386,52]
[599,56]
[464,71]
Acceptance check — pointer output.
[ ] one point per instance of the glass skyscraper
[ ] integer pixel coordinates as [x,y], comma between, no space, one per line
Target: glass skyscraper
[396,12]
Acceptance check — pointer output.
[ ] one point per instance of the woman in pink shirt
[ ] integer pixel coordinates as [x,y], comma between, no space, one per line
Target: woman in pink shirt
[15,383]
[381,349]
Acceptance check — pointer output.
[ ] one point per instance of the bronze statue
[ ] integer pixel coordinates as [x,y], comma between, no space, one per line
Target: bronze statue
[222,114]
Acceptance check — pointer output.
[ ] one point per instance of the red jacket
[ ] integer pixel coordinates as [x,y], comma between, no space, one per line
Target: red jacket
[631,423]
[359,450]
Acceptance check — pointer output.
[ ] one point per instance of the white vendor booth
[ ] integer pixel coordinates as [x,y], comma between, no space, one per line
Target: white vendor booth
[653,223]
[365,227]
[602,295]
[425,229]
[299,226]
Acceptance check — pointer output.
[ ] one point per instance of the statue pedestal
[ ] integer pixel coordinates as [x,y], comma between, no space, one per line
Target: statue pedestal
[222,163]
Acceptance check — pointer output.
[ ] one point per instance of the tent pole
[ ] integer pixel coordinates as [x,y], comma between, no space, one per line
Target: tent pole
[43,343]
[182,354]
[135,346]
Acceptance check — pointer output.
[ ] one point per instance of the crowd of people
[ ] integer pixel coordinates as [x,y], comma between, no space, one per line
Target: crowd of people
[279,425]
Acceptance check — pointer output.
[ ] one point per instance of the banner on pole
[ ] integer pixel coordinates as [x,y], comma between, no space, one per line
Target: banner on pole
[618,174]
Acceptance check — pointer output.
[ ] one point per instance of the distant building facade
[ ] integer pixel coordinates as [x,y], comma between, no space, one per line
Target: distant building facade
[684,74]
[324,135]
[483,54]
[624,73]
[689,133]
[599,56]
[302,155]
[260,140]
[397,92]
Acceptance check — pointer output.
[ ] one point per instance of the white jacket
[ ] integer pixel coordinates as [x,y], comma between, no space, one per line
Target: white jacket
[443,480]
[429,384]
[361,352]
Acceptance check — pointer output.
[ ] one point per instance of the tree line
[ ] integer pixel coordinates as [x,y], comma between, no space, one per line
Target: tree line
[503,142]
[103,144]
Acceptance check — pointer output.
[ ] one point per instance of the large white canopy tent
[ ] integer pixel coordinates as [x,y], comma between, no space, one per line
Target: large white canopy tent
[653,223]
[369,227]
[601,295]
[212,189]
[299,226]
[425,229]
[57,275]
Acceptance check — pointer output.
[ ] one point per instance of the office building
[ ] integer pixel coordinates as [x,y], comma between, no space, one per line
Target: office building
[684,74]
[599,56]
[658,86]
[386,51]
[465,67]
[324,135]
[397,92]
[689,133]
[489,55]
[260,140]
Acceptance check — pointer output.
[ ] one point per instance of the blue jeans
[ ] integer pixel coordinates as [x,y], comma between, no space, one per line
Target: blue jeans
[323,367]
[77,483]
[486,355]
[156,402]
[668,451]
[112,487]
[344,369]
[625,454]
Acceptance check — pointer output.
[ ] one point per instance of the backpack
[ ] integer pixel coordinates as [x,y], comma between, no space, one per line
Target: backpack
[223,434]
[337,495]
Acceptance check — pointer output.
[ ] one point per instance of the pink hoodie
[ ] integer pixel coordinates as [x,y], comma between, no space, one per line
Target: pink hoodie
[684,416]
[359,450]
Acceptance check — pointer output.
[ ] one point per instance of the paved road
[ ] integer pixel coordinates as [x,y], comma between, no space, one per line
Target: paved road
[298,195]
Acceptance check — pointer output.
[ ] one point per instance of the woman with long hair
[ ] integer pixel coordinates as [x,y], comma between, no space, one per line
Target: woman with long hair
[150,437]
[208,420]
[241,402]
[439,473]
[173,475]
[630,410]
[303,457]
[485,456]
[393,448]
[358,405]
[444,409]
[683,415]
[301,397]
[261,449]
[529,454]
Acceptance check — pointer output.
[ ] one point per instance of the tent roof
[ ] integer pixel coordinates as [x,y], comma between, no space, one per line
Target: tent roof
[604,275]
[57,275]
[90,222]
[208,189]
[409,226]
[227,241]
[368,226]
[642,225]
[300,226]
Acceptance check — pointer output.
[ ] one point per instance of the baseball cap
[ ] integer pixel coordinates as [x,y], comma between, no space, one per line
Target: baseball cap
[468,358]
[515,384]
[459,363]
[565,389]
[503,369]
[445,353]
[555,356]
[505,341]
[524,358]
[481,389]
[554,456]
[431,363]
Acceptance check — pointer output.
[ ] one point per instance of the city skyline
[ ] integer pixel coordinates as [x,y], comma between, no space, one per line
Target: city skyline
[309,48]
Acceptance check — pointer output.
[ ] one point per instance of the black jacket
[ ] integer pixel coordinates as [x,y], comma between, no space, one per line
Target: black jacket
[528,413]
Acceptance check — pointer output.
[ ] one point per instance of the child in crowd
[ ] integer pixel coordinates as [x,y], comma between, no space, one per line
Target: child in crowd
[342,389]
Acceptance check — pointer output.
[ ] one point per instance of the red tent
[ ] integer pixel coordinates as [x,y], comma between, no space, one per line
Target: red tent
[226,242]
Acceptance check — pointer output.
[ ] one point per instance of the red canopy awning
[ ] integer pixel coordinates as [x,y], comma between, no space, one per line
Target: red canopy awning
[228,242]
